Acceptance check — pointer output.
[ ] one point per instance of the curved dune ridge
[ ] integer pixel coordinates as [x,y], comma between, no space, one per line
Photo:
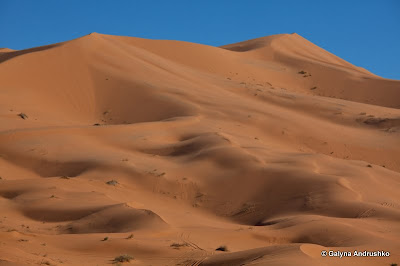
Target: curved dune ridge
[263,152]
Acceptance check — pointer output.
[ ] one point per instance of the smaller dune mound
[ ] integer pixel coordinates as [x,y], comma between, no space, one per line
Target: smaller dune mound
[6,53]
[250,45]
[116,219]
[5,50]
[292,45]
[261,256]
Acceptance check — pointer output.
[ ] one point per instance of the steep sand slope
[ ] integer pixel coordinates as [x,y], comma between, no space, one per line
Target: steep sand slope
[330,75]
[166,150]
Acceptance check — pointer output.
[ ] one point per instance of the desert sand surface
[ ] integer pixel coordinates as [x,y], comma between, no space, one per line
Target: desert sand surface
[272,148]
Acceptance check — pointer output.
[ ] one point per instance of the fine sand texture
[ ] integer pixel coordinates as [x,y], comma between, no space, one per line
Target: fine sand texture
[121,150]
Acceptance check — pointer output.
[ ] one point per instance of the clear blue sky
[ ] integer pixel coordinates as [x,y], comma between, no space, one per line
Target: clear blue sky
[363,32]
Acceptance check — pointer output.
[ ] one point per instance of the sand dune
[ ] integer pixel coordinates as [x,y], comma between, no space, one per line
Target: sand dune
[167,150]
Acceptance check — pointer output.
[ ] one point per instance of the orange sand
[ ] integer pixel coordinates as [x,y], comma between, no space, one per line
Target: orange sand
[209,146]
